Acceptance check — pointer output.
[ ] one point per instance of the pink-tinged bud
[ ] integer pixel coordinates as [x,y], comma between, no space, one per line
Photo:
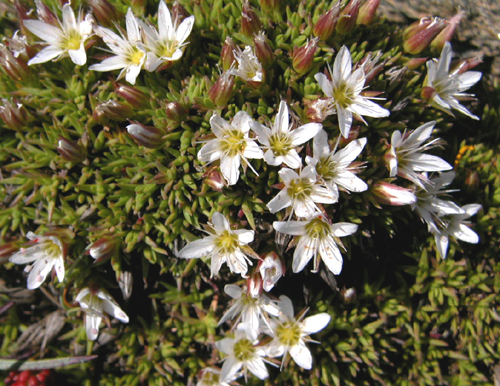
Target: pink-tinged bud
[415,63]
[325,25]
[7,250]
[45,14]
[13,114]
[227,54]
[147,136]
[175,111]
[471,182]
[348,17]
[271,269]
[389,194]
[222,90]
[461,66]
[16,68]
[447,33]
[250,22]
[270,5]
[103,249]
[215,180]
[105,12]
[116,111]
[418,36]
[179,13]
[70,150]
[428,93]
[348,295]
[135,97]
[320,109]
[303,57]
[254,285]
[125,282]
[262,50]
[367,12]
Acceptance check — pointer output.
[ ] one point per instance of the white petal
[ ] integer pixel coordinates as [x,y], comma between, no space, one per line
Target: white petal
[282,200]
[342,66]
[315,323]
[210,151]
[59,267]
[350,152]
[444,62]
[350,182]
[421,134]
[47,32]
[133,32]
[233,290]
[25,256]
[263,132]
[241,122]
[466,234]
[345,121]
[229,369]
[324,83]
[39,272]
[225,345]
[301,355]
[258,368]
[295,228]
[69,21]
[468,79]
[244,236]
[343,229]
[219,125]
[132,73]
[428,163]
[304,252]
[365,107]
[48,53]
[84,292]
[322,195]
[197,248]
[441,244]
[114,309]
[331,255]
[321,149]
[253,151]
[471,209]
[220,223]
[292,159]
[229,167]
[79,57]
[304,133]
[184,29]
[281,121]
[286,306]
[92,323]
[109,64]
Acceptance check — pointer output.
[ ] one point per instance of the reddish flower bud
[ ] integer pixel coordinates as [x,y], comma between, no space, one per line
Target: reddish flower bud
[367,12]
[13,114]
[135,97]
[45,14]
[179,13]
[105,12]
[303,57]
[250,22]
[447,33]
[103,249]
[175,111]
[222,90]
[325,25]
[348,295]
[418,36]
[70,150]
[16,68]
[147,136]
[348,16]
[254,285]
[389,194]
[227,54]
[215,180]
[461,66]
[262,50]
[415,63]
[116,111]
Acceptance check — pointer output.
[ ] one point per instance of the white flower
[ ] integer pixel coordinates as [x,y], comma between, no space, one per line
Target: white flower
[430,207]
[290,335]
[69,39]
[223,245]
[166,44]
[344,88]
[46,253]
[271,269]
[130,53]
[249,67]
[95,302]
[317,237]
[242,352]
[301,192]
[333,167]
[231,145]
[211,377]
[454,225]
[251,311]
[447,87]
[280,142]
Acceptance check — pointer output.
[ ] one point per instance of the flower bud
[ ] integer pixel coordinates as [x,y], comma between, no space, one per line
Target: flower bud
[389,194]
[447,33]
[105,12]
[367,12]
[103,249]
[418,36]
[461,66]
[348,295]
[45,14]
[471,182]
[116,111]
[13,114]
[70,150]
[250,22]
[303,57]
[215,180]
[262,50]
[254,285]
[175,111]
[325,25]
[227,54]
[125,282]
[428,93]
[320,109]
[147,136]
[415,63]
[135,97]
[179,13]
[348,16]
[222,90]
[271,269]
[16,68]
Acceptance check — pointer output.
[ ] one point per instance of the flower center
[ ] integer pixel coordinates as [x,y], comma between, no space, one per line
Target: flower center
[317,228]
[280,144]
[234,143]
[299,189]
[227,242]
[167,49]
[342,95]
[326,168]
[288,333]
[51,249]
[72,41]
[243,350]
[136,56]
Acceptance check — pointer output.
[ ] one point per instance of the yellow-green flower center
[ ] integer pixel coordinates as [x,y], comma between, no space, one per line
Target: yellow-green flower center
[280,144]
[167,49]
[288,333]
[136,56]
[299,189]
[72,41]
[326,168]
[227,242]
[317,228]
[51,249]
[343,95]
[243,350]
[234,143]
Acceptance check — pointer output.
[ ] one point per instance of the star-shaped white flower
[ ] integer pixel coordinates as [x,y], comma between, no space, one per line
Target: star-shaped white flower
[251,310]
[231,145]
[317,238]
[242,353]
[280,142]
[407,160]
[46,254]
[290,334]
[448,86]
[455,226]
[167,43]
[333,168]
[222,246]
[95,302]
[301,192]
[69,39]
[249,68]
[344,88]
[130,53]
